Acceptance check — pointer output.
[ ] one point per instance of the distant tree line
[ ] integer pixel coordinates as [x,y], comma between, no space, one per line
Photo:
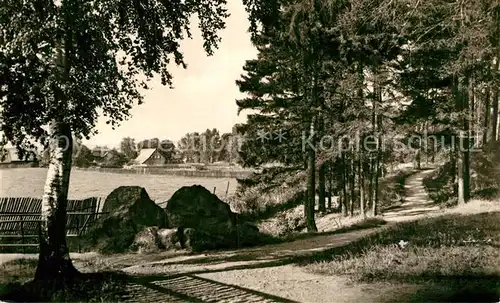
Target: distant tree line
[82,156]
[206,147]
[210,146]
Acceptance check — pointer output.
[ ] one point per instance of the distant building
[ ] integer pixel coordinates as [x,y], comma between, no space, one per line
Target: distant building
[112,159]
[100,152]
[11,156]
[149,156]
[177,158]
[109,155]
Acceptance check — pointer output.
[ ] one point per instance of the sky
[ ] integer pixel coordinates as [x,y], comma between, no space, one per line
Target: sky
[204,94]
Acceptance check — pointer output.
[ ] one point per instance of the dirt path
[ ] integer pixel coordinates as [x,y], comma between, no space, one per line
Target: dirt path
[267,274]
[417,202]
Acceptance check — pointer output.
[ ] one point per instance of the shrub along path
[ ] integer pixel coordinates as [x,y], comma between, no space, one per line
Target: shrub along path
[268,273]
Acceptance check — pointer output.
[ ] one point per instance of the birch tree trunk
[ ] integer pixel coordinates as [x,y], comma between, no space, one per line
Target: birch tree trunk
[54,262]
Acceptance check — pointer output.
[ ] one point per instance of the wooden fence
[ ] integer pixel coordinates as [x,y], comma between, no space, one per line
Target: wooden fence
[18,165]
[20,218]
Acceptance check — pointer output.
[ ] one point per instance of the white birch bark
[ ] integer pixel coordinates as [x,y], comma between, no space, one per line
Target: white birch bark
[54,261]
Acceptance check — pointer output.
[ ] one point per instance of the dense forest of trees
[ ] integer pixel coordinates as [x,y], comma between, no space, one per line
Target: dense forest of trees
[380,80]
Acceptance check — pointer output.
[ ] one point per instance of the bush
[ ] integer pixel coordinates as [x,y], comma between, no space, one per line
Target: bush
[285,223]
[289,222]
[269,192]
[484,174]
[440,187]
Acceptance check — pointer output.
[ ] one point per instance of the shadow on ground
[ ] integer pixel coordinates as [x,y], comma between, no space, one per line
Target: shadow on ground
[116,287]
[85,287]
[190,288]
[456,289]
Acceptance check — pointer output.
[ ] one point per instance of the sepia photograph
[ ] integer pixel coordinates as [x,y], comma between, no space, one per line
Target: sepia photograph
[294,151]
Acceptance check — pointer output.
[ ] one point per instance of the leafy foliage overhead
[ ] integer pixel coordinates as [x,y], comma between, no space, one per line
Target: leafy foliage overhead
[71,59]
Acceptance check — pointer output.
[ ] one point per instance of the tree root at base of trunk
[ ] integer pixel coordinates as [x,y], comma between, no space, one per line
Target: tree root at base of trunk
[55,269]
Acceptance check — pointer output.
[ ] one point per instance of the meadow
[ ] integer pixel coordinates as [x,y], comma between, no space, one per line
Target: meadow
[29,182]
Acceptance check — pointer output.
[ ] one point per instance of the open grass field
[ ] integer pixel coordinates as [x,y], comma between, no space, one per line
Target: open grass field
[29,182]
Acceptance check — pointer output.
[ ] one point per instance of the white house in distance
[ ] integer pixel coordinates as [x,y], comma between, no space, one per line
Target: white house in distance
[149,156]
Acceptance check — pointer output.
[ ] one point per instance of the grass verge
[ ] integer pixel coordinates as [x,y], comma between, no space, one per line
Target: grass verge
[456,251]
